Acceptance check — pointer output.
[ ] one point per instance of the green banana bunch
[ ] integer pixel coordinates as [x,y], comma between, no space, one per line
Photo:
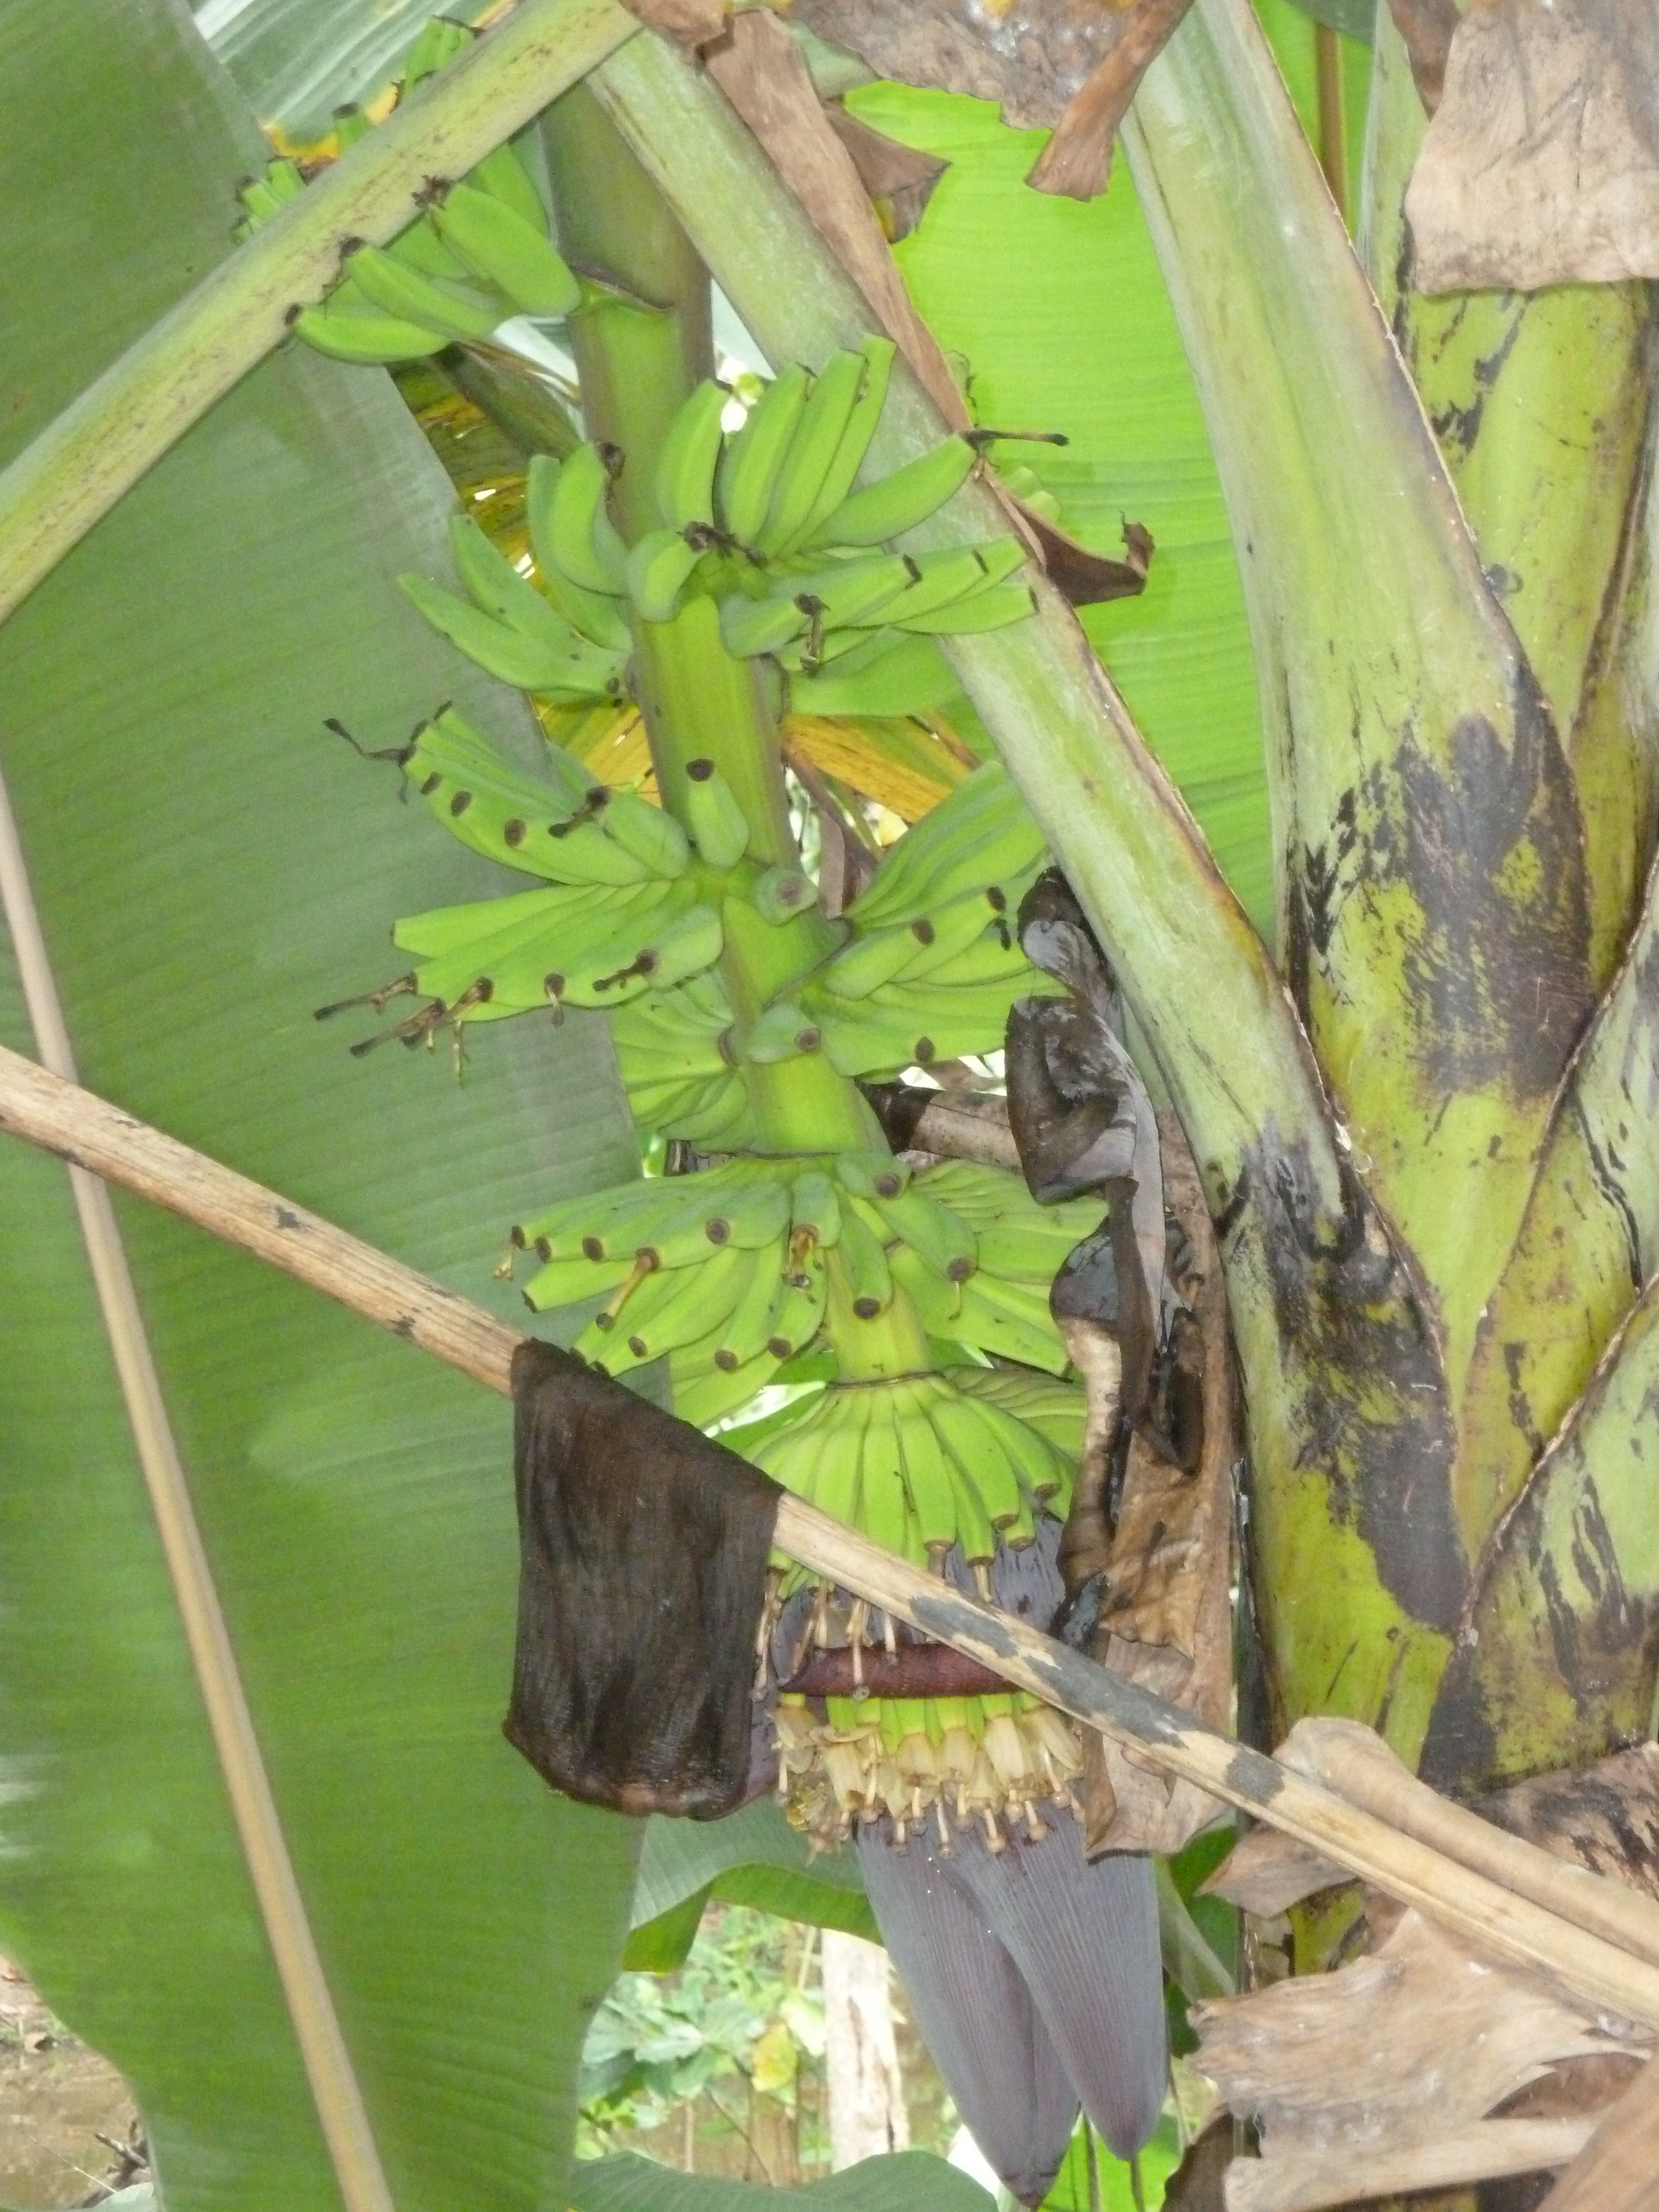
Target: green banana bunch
[673,1048]
[511,629]
[479,254]
[572,946]
[568,829]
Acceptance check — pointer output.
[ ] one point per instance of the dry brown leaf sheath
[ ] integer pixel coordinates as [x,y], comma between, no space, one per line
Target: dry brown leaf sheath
[1542,164]
[759,68]
[1078,159]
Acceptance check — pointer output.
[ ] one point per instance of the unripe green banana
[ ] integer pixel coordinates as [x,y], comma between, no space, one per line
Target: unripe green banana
[1036,1463]
[800,1310]
[884,1503]
[748,1328]
[941,939]
[499,589]
[504,175]
[691,1299]
[956,573]
[1010,1320]
[873,1042]
[650,833]
[943,1239]
[971,1438]
[756,1214]
[1022,1251]
[440,41]
[347,328]
[812,450]
[852,592]
[783,1032]
[855,439]
[869,961]
[750,466]
[980,838]
[704,1394]
[888,672]
[815,1211]
[695,942]
[392,286]
[579,538]
[598,615]
[836,1488]
[781,892]
[665,1039]
[683,485]
[421,247]
[555,661]
[719,826]
[506,815]
[927,1470]
[284,180]
[899,501]
[937,1301]
[994,608]
[573,1282]
[870,1175]
[514,255]
[350,124]
[859,1254]
[656,572]
[749,627]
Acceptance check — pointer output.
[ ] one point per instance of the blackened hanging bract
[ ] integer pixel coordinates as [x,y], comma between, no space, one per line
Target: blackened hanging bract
[643,1551]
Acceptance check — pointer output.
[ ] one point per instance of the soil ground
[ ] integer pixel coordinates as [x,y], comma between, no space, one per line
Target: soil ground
[58,2101]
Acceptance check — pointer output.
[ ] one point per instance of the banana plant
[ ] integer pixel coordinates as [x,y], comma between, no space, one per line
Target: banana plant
[1417,1098]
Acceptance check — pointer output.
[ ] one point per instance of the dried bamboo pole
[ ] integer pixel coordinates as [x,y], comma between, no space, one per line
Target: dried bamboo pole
[327,2062]
[1354,1761]
[91,1133]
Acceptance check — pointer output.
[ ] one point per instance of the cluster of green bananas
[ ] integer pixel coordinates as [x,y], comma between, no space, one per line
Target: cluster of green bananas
[764,523]
[930,966]
[479,254]
[729,1271]
[634,918]
[626,913]
[976,1760]
[921,1466]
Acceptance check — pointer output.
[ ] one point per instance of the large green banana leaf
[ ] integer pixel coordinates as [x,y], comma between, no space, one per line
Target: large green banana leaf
[993,262]
[211,864]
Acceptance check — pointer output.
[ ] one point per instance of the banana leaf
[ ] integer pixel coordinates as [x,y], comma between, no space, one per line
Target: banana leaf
[992,261]
[210,866]
[754,1858]
[911,2182]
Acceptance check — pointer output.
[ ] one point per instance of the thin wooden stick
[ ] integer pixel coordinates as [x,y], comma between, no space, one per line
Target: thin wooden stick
[1354,1761]
[93,1134]
[1310,2181]
[77,468]
[305,1986]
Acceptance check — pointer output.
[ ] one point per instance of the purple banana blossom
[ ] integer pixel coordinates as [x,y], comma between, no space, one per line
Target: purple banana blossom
[1036,1982]
[1035,1978]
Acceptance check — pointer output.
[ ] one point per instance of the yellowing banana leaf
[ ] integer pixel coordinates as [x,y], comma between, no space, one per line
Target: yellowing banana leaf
[210,866]
[907,765]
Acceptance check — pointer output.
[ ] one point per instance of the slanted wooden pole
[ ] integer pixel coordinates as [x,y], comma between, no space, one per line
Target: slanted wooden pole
[88,1132]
